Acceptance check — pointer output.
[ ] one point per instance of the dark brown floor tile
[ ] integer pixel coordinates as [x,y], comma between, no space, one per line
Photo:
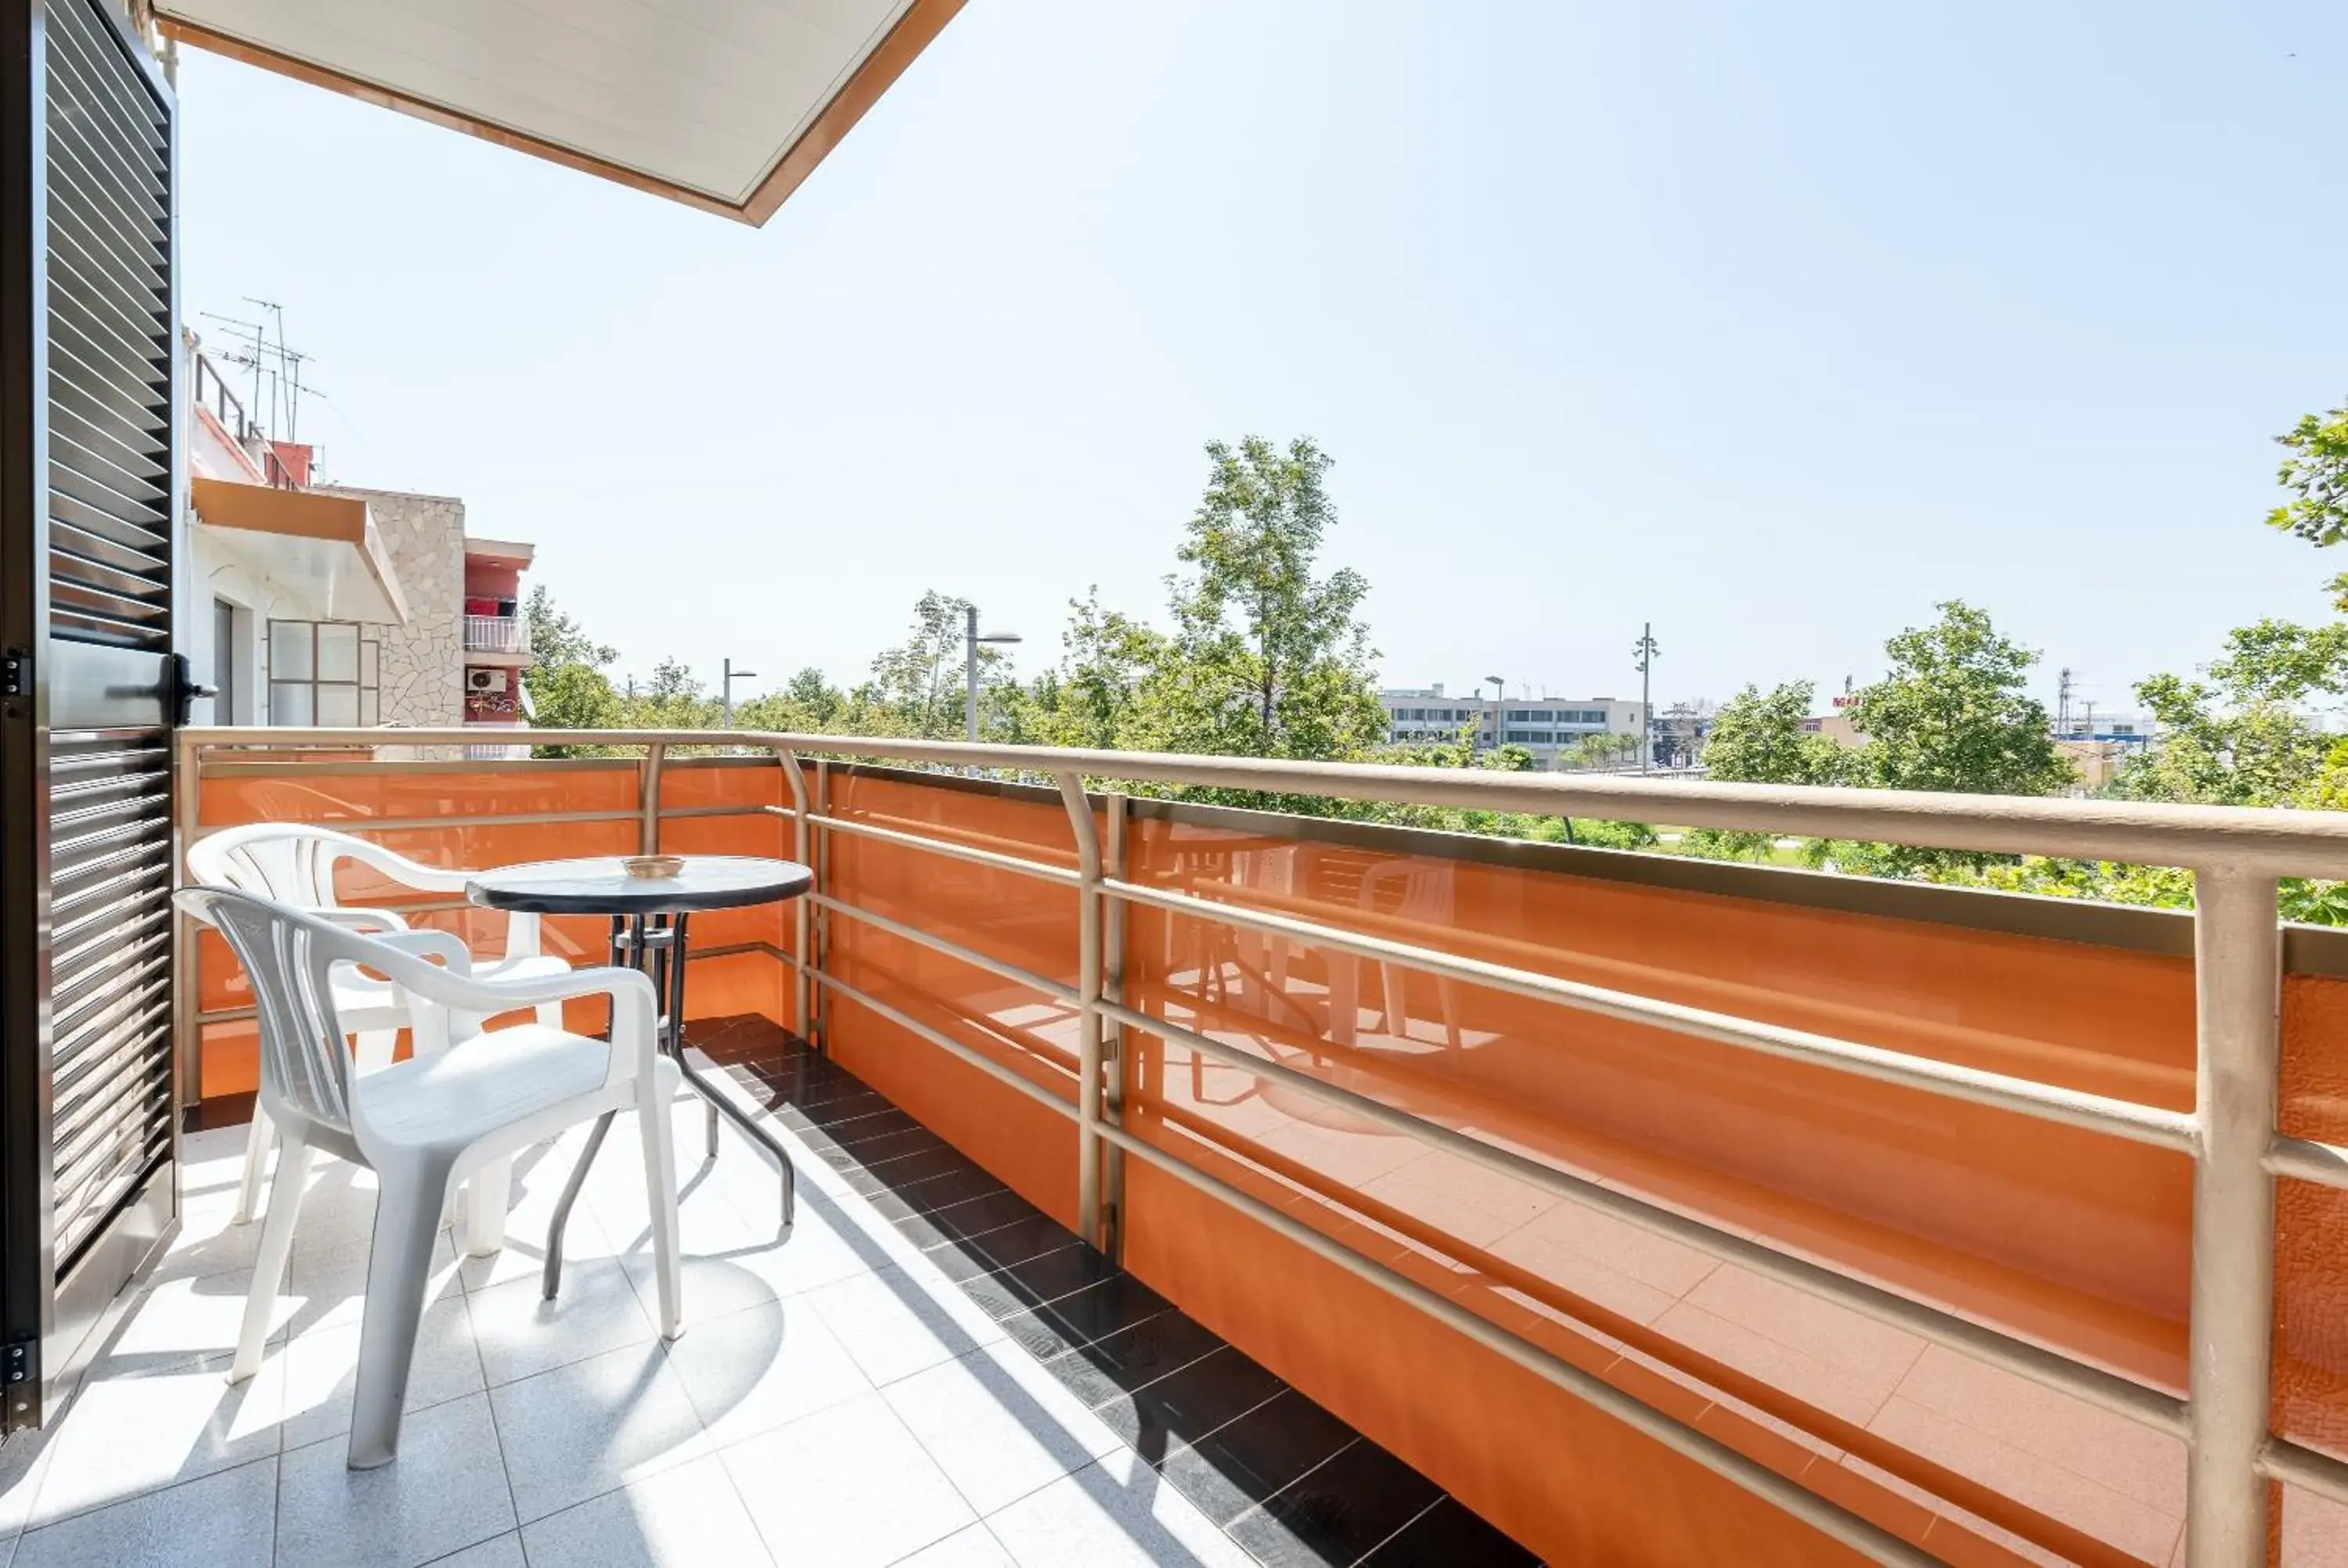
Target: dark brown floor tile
[1337,1512]
[1249,1459]
[1450,1533]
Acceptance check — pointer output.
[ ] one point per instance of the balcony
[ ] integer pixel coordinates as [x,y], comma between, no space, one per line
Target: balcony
[1187,1183]
[498,634]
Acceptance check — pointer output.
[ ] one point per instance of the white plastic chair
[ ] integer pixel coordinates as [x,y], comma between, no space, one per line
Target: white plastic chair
[424,1124]
[294,862]
[1424,899]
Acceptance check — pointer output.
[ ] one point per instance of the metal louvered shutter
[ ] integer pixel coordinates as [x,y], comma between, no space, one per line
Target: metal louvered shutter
[108,274]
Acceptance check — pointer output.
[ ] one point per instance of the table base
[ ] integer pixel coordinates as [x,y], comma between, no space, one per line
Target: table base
[657,945]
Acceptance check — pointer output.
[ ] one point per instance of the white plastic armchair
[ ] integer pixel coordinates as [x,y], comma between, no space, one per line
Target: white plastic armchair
[295,863]
[424,1124]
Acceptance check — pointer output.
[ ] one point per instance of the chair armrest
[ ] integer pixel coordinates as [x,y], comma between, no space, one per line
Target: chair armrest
[401,869]
[442,945]
[365,922]
[636,1011]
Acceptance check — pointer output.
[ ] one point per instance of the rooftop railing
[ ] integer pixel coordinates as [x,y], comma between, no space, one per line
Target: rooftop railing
[2231,1133]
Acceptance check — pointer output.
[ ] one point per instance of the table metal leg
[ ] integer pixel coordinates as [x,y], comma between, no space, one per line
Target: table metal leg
[553,1279]
[661,954]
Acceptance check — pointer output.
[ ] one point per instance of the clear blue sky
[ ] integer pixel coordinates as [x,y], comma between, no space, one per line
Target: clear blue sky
[1772,325]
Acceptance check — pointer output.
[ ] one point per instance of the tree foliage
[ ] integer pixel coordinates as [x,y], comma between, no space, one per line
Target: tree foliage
[2314,469]
[1759,737]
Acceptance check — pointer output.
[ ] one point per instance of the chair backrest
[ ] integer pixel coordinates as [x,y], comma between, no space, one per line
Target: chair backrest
[290,862]
[288,956]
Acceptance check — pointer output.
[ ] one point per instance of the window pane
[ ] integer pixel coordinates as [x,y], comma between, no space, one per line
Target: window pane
[338,652]
[289,650]
[289,702]
[338,705]
[367,707]
[368,651]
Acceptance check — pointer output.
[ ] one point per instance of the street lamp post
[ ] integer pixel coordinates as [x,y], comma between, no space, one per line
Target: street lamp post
[1500,695]
[971,638]
[726,691]
[1643,656]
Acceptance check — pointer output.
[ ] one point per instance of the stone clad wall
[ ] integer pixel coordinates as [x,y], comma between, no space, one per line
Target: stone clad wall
[423,681]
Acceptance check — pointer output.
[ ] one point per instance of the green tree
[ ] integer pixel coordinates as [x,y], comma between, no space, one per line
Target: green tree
[1268,659]
[2250,734]
[2315,471]
[565,684]
[1954,714]
[1757,737]
[814,696]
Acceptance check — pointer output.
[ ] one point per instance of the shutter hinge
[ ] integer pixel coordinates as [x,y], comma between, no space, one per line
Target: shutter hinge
[20,1362]
[14,670]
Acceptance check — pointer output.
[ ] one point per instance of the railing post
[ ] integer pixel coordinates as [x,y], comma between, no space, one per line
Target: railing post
[822,1038]
[648,836]
[797,782]
[1088,1016]
[2237,956]
[1113,1043]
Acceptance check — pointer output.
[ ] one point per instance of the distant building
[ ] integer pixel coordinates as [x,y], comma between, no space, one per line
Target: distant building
[339,607]
[1552,728]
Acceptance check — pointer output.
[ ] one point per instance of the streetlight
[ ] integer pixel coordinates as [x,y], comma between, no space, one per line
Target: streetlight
[726,691]
[1642,659]
[971,638]
[1500,695]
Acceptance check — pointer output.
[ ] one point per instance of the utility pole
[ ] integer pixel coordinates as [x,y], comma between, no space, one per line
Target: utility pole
[2063,702]
[726,691]
[1643,653]
[970,641]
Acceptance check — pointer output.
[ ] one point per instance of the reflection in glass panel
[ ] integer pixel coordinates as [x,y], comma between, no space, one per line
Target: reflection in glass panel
[289,701]
[338,652]
[289,650]
[338,705]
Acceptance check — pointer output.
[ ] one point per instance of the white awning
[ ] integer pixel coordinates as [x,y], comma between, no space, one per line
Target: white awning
[727,104]
[324,549]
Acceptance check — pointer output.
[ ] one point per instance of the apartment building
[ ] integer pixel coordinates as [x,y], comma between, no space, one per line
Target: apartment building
[1552,728]
[337,606]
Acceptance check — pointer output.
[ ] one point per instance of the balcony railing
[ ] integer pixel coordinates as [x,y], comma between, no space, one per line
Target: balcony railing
[1141,910]
[497,634]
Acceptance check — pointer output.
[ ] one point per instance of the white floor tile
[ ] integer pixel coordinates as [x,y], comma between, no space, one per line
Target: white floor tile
[974,1547]
[690,1517]
[125,1435]
[447,1489]
[498,1552]
[998,1424]
[895,1324]
[583,1430]
[756,1370]
[181,1320]
[1115,1513]
[847,1488]
[322,1369]
[520,1333]
[222,1521]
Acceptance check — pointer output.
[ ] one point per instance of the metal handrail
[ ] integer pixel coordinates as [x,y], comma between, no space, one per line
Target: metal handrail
[2237,855]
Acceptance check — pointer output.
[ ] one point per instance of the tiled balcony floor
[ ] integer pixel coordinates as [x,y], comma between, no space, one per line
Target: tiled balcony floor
[927,1370]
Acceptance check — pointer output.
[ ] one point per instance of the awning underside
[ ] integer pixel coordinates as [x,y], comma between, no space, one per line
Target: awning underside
[724,104]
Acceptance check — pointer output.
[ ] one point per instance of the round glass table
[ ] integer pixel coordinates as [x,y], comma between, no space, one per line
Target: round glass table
[649,916]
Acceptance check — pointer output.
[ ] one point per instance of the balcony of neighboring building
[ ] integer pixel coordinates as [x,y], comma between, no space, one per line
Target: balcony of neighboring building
[496,630]
[1431,1190]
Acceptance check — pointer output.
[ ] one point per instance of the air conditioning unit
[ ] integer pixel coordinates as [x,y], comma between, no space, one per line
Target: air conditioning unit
[485,680]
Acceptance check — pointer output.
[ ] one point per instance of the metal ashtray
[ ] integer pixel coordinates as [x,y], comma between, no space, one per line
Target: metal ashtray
[652,866]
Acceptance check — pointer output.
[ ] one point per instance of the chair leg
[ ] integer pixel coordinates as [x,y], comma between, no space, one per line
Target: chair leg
[407,1226]
[486,1200]
[660,1197]
[269,1264]
[256,1160]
